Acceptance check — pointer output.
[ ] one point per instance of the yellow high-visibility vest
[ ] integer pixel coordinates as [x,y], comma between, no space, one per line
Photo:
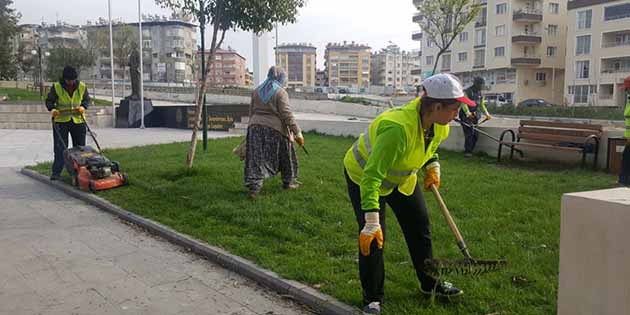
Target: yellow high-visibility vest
[626,115]
[67,105]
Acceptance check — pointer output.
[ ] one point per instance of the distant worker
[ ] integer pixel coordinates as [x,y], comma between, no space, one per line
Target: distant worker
[471,115]
[67,101]
[624,175]
[272,129]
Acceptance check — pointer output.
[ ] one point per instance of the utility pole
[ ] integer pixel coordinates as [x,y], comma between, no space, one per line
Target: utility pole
[204,112]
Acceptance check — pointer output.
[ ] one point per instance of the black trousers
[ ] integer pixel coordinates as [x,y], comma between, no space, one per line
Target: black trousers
[624,175]
[413,218]
[470,135]
[77,131]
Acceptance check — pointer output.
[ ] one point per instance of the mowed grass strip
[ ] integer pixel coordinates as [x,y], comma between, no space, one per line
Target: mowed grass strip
[14,94]
[509,211]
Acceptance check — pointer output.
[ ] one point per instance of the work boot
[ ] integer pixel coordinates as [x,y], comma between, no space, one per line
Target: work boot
[55,177]
[292,185]
[467,155]
[372,308]
[441,289]
[252,194]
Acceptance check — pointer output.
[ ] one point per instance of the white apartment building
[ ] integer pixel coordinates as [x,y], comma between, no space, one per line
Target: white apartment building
[598,52]
[393,68]
[517,46]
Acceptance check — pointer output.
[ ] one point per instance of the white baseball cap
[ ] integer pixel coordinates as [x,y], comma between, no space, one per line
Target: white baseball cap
[445,86]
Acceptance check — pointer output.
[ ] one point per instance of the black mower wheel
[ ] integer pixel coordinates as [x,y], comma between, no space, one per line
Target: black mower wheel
[115,167]
[125,178]
[75,181]
[91,186]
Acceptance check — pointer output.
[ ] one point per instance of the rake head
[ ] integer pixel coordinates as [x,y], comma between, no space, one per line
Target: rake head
[462,267]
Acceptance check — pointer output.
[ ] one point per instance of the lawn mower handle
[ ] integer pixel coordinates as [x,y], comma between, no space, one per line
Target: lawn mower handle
[451,223]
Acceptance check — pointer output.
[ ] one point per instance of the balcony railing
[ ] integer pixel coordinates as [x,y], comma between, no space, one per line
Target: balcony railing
[609,44]
[416,36]
[481,23]
[526,60]
[527,15]
[616,70]
[528,37]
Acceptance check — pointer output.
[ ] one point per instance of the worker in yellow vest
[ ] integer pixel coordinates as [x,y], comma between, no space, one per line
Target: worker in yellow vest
[624,175]
[381,168]
[67,101]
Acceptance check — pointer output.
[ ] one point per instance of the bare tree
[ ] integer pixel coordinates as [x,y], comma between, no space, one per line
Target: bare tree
[443,20]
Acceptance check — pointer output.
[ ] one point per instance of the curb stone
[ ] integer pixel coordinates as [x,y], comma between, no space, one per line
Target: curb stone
[301,293]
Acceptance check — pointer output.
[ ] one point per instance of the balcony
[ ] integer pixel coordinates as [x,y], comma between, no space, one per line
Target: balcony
[526,60]
[416,36]
[527,38]
[527,15]
[416,18]
[416,71]
[481,23]
[417,3]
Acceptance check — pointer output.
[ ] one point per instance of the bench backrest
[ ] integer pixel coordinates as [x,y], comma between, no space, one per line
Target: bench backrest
[549,132]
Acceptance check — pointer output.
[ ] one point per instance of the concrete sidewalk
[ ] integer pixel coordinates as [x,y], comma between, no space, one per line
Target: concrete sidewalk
[62,256]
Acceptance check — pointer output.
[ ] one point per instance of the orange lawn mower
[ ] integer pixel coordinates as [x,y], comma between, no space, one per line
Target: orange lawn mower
[90,169]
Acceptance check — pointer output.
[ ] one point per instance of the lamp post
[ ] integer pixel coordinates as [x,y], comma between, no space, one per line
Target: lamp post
[38,52]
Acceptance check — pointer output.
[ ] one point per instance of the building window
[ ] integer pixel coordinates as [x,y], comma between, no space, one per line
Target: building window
[552,51]
[462,57]
[463,37]
[617,12]
[446,61]
[501,8]
[541,76]
[480,58]
[499,51]
[584,19]
[429,43]
[429,60]
[581,69]
[554,8]
[500,30]
[583,45]
[480,37]
[552,30]
[581,92]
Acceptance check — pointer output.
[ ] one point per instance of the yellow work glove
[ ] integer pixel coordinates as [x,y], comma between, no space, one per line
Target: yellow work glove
[55,113]
[470,115]
[299,139]
[488,116]
[371,231]
[432,175]
[81,110]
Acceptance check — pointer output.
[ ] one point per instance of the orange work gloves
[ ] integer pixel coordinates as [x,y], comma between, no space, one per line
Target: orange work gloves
[371,231]
[299,139]
[81,110]
[55,113]
[432,175]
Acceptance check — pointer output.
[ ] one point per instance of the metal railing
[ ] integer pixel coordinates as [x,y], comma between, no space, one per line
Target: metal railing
[528,11]
[609,44]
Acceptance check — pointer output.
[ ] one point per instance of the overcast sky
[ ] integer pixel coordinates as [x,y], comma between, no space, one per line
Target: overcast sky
[372,22]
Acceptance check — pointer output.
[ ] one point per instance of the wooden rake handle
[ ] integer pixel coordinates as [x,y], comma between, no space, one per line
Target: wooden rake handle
[451,223]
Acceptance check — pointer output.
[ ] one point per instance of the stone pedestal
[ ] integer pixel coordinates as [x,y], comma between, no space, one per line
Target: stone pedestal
[129,113]
[595,253]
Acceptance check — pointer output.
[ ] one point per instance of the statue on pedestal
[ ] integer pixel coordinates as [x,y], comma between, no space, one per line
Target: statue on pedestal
[134,74]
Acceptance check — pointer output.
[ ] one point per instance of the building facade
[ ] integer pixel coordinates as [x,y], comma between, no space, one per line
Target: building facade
[228,68]
[348,65]
[519,51]
[298,62]
[392,67]
[598,52]
[320,78]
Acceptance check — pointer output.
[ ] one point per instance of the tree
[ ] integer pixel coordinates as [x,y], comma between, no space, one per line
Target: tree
[8,30]
[79,58]
[443,20]
[25,60]
[248,15]
[125,39]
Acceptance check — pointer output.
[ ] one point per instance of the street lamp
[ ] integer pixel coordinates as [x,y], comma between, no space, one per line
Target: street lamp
[38,52]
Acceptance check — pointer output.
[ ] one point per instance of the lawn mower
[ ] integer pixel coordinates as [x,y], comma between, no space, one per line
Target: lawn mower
[89,168]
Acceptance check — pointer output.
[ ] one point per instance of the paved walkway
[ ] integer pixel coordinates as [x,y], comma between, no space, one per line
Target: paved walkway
[62,256]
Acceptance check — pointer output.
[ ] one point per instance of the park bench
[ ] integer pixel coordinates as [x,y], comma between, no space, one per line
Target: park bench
[569,137]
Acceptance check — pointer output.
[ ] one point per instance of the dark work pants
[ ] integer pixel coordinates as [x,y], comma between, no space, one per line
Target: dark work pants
[413,218]
[624,175]
[470,135]
[77,131]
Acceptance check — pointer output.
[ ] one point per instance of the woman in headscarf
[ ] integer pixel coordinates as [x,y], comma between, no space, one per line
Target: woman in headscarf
[270,135]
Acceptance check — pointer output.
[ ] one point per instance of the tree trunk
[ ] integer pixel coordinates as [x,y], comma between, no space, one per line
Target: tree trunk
[437,59]
[202,90]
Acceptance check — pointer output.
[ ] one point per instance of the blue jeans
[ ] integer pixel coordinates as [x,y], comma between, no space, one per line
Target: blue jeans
[77,131]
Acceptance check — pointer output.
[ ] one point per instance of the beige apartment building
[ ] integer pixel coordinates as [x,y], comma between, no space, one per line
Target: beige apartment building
[228,68]
[298,62]
[347,65]
[598,52]
[392,67]
[518,46]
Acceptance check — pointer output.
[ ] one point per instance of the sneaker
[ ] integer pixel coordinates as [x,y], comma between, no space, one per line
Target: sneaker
[442,289]
[372,308]
[292,185]
[467,155]
[252,195]
[55,177]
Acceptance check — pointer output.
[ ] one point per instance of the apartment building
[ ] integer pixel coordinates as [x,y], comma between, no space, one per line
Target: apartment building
[228,68]
[518,46]
[299,63]
[598,52]
[393,67]
[320,78]
[348,65]
[168,49]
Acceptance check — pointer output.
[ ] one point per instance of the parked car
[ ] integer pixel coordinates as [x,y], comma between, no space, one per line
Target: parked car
[344,91]
[534,102]
[496,100]
[400,92]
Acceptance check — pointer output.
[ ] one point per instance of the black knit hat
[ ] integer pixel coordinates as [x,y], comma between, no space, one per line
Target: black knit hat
[69,73]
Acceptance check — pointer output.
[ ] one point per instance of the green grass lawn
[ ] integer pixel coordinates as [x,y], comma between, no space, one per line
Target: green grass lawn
[509,211]
[26,95]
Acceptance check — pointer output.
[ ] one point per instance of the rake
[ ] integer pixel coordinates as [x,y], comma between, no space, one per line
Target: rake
[466,266]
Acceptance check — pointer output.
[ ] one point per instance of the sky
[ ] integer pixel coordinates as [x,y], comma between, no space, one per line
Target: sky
[371,22]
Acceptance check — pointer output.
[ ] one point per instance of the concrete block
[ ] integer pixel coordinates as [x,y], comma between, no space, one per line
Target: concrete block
[594,253]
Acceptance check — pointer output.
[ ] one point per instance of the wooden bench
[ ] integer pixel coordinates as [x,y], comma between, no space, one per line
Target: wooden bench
[570,137]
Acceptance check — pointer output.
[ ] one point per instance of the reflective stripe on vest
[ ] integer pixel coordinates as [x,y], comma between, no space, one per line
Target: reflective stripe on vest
[67,104]
[357,156]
